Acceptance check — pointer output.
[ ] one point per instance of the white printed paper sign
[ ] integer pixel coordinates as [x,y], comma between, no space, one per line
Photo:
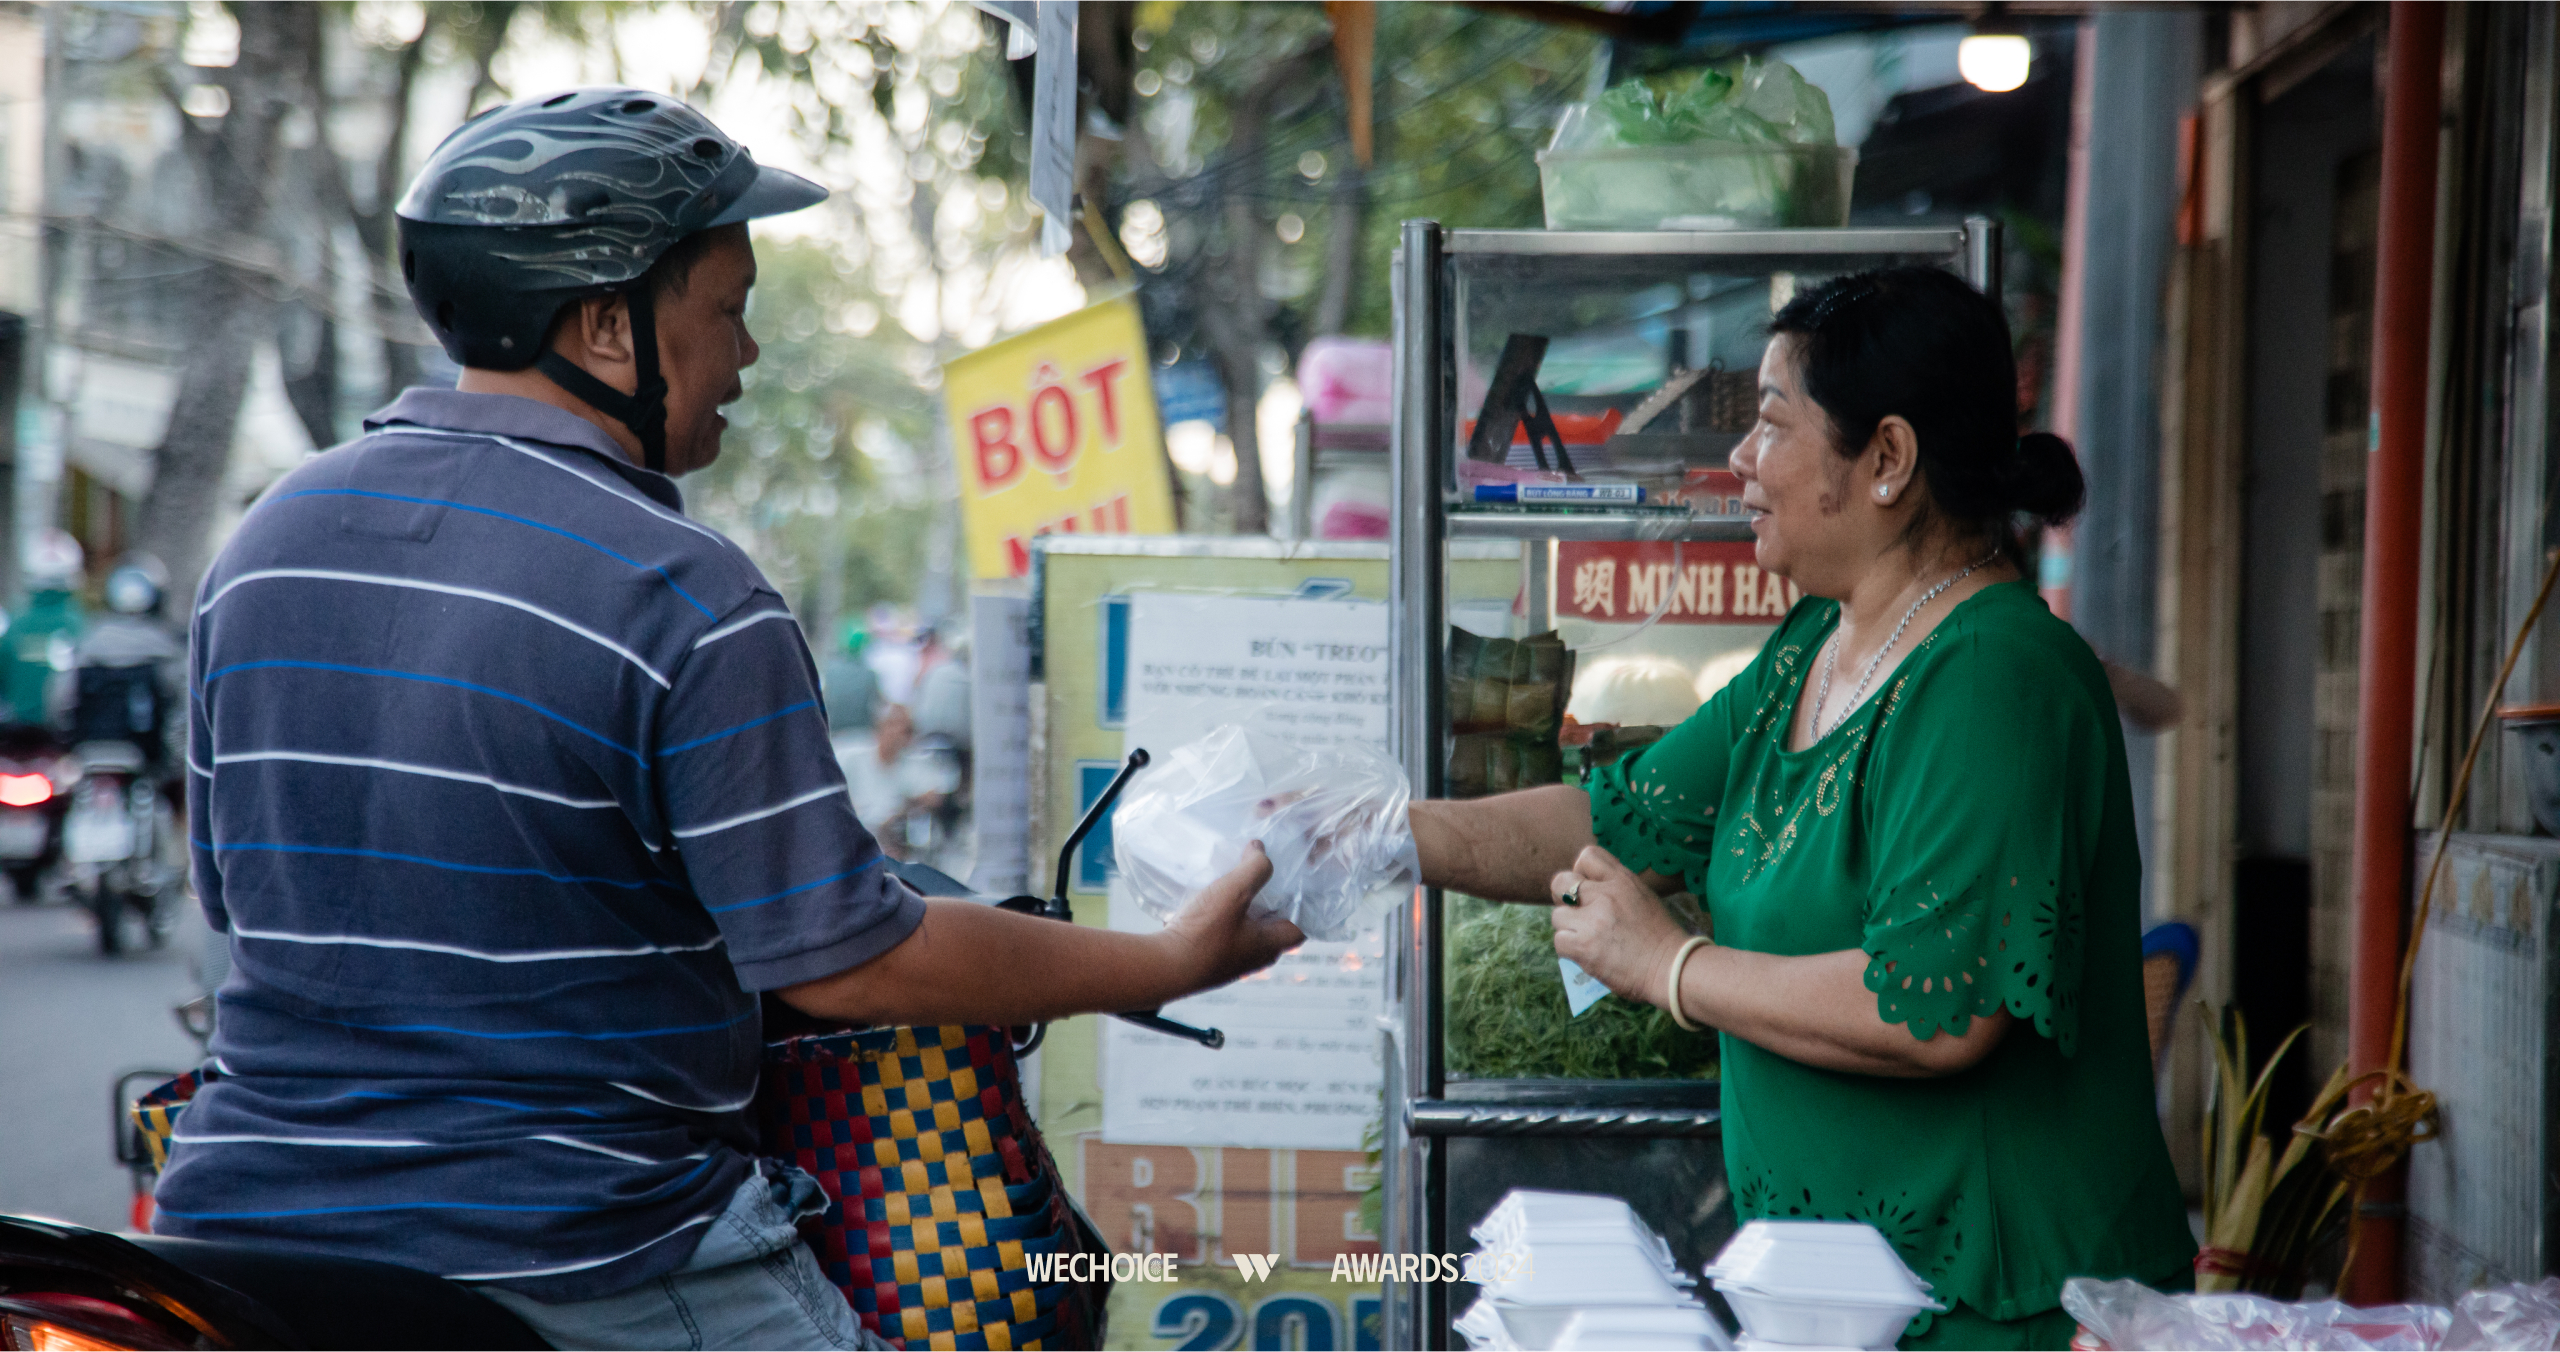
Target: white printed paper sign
[1300,1068]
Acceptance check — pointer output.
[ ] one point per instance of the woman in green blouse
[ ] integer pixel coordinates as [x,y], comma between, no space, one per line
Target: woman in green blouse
[1912,828]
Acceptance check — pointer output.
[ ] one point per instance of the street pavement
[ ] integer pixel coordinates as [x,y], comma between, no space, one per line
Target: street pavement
[70,1022]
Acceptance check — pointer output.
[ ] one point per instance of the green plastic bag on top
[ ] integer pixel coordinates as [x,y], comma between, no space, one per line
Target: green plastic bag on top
[1752,102]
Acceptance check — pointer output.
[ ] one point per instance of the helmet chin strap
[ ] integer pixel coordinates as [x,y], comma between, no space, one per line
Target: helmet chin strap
[644,411]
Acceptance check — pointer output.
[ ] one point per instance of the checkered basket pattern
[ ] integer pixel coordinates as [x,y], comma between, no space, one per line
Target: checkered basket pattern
[155,1115]
[940,1189]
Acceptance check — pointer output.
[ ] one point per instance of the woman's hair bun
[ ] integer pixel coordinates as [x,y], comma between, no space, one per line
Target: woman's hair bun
[2044,479]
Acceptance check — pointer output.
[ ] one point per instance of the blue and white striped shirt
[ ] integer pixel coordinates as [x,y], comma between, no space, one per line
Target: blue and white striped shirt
[511,787]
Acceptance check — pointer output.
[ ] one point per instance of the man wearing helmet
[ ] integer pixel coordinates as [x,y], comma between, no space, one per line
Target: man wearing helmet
[127,666]
[511,785]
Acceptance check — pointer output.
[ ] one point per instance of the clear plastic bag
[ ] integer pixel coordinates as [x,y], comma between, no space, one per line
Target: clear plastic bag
[1751,102]
[2512,1315]
[1332,819]
[2127,1315]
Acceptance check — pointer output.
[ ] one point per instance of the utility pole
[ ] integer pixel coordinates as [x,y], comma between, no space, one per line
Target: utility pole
[35,472]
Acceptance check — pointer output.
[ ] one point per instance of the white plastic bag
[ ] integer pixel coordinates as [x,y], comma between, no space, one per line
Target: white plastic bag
[2510,1315]
[1332,820]
[2126,1316]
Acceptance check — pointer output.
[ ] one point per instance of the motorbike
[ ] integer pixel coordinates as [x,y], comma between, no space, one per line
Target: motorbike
[32,807]
[80,1290]
[119,846]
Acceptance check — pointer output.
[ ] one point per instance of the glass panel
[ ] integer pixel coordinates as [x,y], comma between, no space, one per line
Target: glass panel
[1638,632]
[1616,328]
[1507,1015]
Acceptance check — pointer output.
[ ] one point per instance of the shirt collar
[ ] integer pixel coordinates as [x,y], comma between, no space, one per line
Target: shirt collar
[508,415]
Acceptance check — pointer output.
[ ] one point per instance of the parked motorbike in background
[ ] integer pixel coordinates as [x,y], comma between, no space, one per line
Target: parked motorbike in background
[33,776]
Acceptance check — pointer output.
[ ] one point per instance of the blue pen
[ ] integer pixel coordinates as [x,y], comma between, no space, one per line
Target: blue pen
[1575,493]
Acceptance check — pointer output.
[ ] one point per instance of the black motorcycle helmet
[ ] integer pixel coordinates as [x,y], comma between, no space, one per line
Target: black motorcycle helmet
[538,203]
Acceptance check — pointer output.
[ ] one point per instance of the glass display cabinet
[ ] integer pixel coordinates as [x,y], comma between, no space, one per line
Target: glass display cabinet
[1526,360]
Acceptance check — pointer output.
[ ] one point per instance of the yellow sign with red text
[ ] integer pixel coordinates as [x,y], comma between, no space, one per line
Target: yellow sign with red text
[1056,431]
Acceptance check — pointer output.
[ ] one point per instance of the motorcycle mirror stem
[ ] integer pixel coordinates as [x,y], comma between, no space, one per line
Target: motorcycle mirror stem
[1056,908]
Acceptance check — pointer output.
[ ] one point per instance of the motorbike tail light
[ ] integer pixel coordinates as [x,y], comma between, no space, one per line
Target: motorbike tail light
[57,1321]
[25,790]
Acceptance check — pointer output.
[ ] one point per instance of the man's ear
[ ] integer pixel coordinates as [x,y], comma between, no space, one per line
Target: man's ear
[597,332]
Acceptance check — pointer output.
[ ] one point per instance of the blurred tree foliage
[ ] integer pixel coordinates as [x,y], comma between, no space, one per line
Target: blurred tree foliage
[912,267]
[1215,146]
[1237,189]
[1464,101]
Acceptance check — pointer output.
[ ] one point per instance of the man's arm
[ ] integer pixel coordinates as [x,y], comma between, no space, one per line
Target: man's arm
[968,963]
[771,844]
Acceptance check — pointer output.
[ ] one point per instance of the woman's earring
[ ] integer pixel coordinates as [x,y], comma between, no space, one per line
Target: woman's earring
[1884,490]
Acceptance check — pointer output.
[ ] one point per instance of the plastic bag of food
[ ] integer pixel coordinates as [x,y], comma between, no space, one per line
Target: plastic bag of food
[2510,1315]
[1753,102]
[1331,818]
[2126,1315]
[1748,147]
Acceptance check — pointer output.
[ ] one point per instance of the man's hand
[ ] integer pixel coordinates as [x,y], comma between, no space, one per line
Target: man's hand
[1216,939]
[968,963]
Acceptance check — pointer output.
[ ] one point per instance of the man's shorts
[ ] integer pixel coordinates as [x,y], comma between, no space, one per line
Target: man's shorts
[751,1284]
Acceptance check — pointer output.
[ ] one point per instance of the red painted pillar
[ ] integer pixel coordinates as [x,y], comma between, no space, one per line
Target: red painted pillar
[2387,665]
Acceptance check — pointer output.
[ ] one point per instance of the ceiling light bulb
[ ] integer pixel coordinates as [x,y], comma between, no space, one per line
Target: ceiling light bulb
[1995,62]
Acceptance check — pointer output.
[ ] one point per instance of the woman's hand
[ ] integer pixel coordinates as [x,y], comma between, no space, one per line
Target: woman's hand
[1615,928]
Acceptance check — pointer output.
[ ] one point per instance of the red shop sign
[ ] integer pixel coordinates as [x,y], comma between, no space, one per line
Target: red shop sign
[1694,582]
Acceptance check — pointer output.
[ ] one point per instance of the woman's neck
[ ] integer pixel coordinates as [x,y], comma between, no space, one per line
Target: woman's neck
[1885,593]
[1877,611]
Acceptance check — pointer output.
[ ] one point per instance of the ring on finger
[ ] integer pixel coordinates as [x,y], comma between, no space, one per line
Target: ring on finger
[1572,895]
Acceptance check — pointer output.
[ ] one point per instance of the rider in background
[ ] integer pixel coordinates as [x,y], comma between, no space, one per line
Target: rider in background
[851,688]
[128,666]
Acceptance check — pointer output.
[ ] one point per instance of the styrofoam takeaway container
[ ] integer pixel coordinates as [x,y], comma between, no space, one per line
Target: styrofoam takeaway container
[1818,1283]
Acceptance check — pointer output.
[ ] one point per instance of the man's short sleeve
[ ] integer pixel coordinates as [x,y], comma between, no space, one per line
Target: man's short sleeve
[757,809]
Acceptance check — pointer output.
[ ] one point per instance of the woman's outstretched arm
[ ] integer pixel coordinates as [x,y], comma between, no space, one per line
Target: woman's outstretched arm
[1502,848]
[1506,847]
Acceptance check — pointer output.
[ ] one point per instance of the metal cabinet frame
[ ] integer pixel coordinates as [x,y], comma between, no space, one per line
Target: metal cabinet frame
[1423,1114]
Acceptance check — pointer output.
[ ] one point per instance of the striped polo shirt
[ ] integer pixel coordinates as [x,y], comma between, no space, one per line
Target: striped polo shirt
[512,788]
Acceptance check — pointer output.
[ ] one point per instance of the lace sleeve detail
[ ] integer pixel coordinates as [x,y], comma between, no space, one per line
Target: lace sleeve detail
[1990,800]
[1939,956]
[1650,825]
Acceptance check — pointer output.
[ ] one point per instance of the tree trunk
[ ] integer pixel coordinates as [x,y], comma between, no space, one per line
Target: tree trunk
[229,315]
[233,318]
[1342,249]
[487,33]
[1234,324]
[1236,319]
[311,386]
[307,337]
[392,317]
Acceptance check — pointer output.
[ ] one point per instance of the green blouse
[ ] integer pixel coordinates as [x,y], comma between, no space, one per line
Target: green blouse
[1970,827]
